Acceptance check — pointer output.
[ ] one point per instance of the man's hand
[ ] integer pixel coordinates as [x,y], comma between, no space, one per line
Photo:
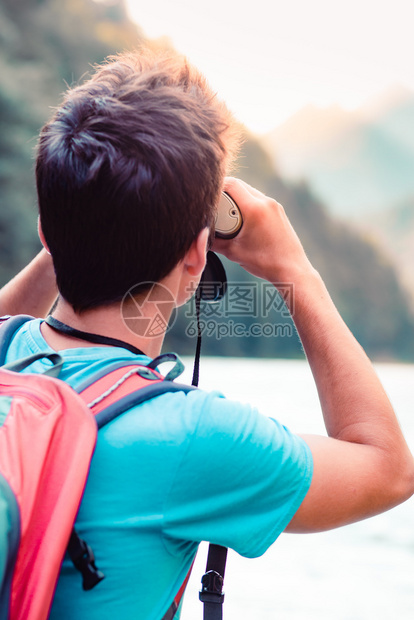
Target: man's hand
[267,246]
[32,291]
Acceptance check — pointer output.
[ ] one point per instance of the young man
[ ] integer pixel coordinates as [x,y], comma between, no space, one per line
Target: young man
[129,173]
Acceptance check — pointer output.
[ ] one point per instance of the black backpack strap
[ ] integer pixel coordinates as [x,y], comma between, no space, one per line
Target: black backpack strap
[8,328]
[172,610]
[211,594]
[83,559]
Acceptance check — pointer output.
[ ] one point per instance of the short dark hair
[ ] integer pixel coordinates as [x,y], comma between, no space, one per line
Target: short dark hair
[128,172]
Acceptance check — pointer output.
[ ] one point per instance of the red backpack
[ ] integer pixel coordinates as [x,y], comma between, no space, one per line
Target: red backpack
[47,438]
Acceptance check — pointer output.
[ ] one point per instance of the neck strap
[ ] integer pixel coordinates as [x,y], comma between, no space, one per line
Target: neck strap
[95,338]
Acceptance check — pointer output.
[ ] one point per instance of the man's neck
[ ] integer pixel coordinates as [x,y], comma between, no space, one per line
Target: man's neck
[105,321]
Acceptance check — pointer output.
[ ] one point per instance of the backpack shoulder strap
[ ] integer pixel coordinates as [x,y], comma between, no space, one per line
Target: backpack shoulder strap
[113,391]
[108,394]
[138,396]
[8,327]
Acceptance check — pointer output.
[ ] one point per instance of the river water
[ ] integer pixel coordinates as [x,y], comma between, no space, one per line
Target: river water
[363,571]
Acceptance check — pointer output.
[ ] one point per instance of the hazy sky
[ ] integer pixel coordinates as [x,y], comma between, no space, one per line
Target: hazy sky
[268,58]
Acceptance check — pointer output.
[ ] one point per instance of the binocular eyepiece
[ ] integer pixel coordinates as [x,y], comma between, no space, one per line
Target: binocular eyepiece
[229,219]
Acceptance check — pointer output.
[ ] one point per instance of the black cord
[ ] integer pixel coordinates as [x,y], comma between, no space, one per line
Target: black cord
[196,370]
[95,338]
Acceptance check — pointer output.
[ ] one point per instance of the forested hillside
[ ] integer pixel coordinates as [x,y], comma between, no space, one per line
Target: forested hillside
[45,44]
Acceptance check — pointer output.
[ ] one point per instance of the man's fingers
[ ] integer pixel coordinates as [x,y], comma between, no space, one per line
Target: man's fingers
[236,187]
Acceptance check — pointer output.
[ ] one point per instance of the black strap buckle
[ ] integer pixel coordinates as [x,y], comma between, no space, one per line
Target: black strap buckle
[84,561]
[211,588]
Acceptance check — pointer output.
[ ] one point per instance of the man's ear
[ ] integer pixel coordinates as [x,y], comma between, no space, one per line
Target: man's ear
[195,258]
[41,235]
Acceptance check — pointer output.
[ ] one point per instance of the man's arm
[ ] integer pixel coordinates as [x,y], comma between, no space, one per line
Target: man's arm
[364,467]
[32,291]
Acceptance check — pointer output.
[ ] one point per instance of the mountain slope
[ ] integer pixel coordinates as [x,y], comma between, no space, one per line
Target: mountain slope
[357,162]
[393,230]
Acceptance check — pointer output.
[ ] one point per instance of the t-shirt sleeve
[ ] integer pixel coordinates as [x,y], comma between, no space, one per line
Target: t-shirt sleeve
[240,481]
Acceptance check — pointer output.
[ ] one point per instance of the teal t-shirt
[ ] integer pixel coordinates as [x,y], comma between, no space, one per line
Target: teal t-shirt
[166,475]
